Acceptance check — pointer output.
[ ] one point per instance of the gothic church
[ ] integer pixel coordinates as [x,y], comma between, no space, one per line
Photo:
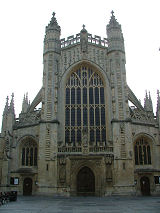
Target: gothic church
[91,135]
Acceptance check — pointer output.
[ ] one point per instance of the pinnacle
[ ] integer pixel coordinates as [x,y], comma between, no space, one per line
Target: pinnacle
[148,102]
[53,23]
[113,21]
[84,29]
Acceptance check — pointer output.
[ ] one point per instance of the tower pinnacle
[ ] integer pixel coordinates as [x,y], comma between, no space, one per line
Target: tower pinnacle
[6,108]
[53,25]
[11,107]
[114,34]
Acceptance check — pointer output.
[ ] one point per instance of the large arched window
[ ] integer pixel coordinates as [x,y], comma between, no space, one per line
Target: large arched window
[85,106]
[142,152]
[29,153]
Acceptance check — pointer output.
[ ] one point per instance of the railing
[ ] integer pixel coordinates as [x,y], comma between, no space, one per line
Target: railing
[101,149]
[94,149]
[71,40]
[69,149]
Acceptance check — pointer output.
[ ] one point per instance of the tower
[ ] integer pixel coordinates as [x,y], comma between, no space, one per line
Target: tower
[121,119]
[49,122]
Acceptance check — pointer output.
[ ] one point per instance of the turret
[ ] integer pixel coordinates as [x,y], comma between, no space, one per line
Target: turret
[51,67]
[120,109]
[115,35]
[52,36]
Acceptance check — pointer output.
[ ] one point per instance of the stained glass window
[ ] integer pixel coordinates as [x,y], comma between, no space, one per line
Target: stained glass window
[85,106]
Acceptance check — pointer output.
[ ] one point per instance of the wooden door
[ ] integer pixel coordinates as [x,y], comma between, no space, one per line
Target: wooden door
[85,182]
[27,186]
[145,186]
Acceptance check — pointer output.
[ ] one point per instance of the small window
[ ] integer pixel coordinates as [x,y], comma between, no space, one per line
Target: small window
[142,152]
[157,179]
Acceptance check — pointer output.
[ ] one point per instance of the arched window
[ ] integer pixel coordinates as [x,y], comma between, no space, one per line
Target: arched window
[142,152]
[29,153]
[85,106]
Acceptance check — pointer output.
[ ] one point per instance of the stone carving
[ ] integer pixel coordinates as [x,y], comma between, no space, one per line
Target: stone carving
[28,118]
[108,160]
[85,145]
[74,164]
[98,163]
[62,174]
[84,40]
[142,116]
[122,128]
[53,156]
[62,161]
[108,173]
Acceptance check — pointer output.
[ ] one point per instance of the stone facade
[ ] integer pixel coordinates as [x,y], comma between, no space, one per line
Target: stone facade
[86,139]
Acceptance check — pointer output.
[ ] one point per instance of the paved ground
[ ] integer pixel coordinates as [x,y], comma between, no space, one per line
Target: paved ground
[39,204]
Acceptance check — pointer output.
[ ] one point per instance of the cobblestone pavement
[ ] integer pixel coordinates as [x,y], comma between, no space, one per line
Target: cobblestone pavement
[40,204]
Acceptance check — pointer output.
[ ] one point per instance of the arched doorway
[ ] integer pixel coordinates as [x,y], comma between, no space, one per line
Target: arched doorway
[27,186]
[85,182]
[145,185]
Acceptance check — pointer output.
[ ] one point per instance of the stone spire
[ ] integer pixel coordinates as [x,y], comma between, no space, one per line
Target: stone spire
[25,103]
[158,102]
[6,108]
[148,106]
[115,35]
[53,25]
[11,107]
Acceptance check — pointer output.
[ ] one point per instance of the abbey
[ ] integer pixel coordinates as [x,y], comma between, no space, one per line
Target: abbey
[91,135]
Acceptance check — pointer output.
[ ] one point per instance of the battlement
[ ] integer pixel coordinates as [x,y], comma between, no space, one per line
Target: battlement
[72,40]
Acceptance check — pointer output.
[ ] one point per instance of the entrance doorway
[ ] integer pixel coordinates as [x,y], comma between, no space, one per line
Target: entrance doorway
[27,186]
[85,182]
[145,186]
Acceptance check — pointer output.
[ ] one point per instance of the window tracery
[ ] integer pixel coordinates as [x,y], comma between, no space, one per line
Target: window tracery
[84,106]
[142,152]
[29,154]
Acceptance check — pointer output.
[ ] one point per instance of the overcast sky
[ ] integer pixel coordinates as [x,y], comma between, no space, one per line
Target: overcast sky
[22,30]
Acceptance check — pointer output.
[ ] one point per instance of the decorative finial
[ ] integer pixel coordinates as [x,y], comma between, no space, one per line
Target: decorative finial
[12,95]
[83,26]
[53,13]
[112,12]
